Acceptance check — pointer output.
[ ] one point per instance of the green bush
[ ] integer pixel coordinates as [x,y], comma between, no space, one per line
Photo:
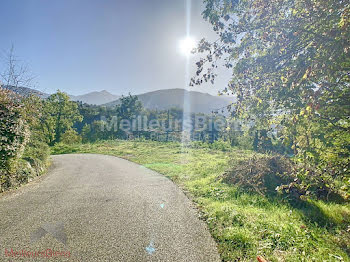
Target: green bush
[245,141]
[14,132]
[220,145]
[71,137]
[23,154]
[321,155]
[37,154]
[24,171]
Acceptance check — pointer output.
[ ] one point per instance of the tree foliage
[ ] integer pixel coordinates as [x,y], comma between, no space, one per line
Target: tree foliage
[59,114]
[14,133]
[23,154]
[290,67]
[129,107]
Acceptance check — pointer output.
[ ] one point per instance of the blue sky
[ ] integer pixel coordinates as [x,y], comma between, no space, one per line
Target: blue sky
[80,46]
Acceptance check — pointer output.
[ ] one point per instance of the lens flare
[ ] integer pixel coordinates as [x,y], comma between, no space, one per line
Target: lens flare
[187,45]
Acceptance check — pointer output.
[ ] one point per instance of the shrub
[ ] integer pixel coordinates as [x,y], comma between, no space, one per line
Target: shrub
[22,153]
[24,171]
[322,157]
[37,154]
[245,141]
[221,145]
[71,137]
[320,181]
[267,175]
[14,132]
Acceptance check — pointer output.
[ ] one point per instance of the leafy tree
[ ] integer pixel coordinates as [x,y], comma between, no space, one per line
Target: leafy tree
[95,131]
[86,133]
[90,114]
[285,55]
[129,107]
[290,67]
[59,114]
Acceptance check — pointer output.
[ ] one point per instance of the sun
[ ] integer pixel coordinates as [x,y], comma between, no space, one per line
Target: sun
[186,45]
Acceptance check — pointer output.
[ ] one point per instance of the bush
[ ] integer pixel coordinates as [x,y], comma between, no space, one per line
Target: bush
[37,154]
[319,181]
[22,153]
[245,141]
[14,132]
[322,157]
[268,175]
[71,137]
[24,171]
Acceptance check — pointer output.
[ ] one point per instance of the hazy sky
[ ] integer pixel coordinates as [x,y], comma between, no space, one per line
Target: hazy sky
[80,46]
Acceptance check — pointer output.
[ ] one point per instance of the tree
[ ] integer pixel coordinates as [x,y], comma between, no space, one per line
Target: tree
[129,107]
[286,54]
[15,73]
[59,114]
[290,67]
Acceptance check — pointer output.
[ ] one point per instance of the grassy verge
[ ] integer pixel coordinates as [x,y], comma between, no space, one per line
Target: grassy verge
[244,225]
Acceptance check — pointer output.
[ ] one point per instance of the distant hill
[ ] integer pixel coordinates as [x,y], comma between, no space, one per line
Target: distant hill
[25,91]
[96,98]
[197,102]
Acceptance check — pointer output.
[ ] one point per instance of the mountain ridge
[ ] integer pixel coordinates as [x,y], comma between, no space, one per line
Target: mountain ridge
[162,99]
[95,97]
[197,102]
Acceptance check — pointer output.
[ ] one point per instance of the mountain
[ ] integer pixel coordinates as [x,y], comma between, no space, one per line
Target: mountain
[25,91]
[96,98]
[196,102]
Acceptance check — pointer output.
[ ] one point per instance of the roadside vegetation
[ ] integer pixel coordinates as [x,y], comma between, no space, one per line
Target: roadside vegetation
[275,179]
[243,182]
[244,223]
[29,125]
[23,153]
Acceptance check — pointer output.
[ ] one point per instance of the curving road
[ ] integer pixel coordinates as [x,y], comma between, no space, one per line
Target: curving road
[101,208]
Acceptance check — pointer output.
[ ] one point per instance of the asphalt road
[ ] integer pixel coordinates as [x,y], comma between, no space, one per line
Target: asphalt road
[101,208]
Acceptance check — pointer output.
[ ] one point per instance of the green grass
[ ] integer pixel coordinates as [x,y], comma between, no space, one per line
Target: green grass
[243,224]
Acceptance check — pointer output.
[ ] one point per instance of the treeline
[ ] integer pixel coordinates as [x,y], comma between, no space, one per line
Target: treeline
[30,125]
[130,120]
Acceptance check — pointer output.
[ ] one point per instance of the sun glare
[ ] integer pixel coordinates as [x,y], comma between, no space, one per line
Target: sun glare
[187,45]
